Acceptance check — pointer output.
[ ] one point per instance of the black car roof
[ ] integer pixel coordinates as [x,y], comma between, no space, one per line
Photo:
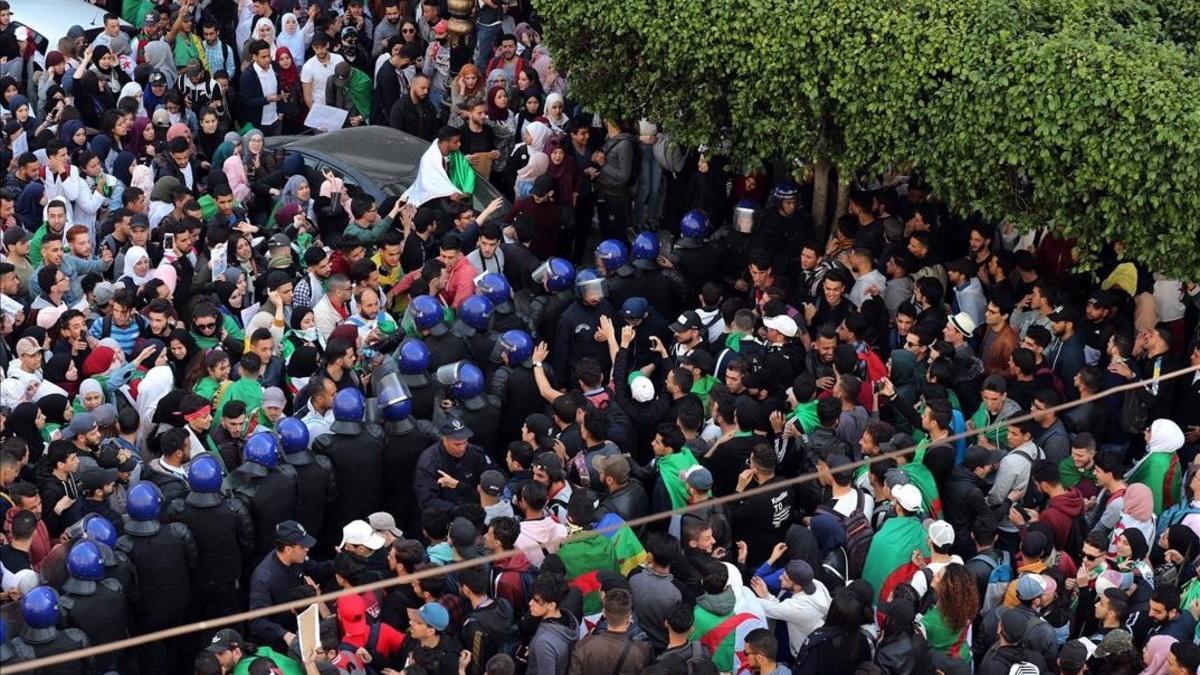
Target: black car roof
[381,153]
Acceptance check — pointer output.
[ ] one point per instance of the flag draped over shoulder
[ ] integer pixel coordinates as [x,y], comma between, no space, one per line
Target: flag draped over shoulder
[626,546]
[584,556]
[725,637]
[889,560]
[1160,472]
[944,638]
[1071,475]
[931,502]
[669,468]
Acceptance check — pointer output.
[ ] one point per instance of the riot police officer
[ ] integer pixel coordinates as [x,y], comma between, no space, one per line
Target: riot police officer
[612,261]
[356,450]
[694,256]
[495,287]
[41,638]
[267,489]
[543,304]
[224,533]
[464,398]
[473,325]
[315,479]
[117,565]
[513,384]
[94,604]
[665,288]
[403,440]
[429,319]
[163,557]
[12,653]
[575,336]
[414,372]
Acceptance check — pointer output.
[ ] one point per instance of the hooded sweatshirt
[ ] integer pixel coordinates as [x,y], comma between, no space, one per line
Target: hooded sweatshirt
[1062,510]
[803,612]
[550,648]
[509,584]
[1160,469]
[536,535]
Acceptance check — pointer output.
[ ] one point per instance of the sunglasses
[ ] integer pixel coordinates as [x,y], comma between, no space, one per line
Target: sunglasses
[206,326]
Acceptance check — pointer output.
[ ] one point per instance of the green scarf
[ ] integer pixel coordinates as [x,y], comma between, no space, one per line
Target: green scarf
[733,342]
[669,468]
[805,414]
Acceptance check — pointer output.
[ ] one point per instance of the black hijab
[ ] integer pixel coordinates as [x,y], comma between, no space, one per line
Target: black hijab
[23,424]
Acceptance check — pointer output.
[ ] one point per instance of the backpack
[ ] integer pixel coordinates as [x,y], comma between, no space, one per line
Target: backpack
[998,579]
[527,577]
[1174,515]
[858,535]
[1135,412]
[505,643]
[1073,546]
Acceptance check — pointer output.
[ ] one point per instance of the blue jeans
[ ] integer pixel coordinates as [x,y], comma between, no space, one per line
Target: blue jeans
[647,201]
[485,40]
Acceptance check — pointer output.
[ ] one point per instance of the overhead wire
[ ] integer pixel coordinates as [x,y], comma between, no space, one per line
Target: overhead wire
[332,596]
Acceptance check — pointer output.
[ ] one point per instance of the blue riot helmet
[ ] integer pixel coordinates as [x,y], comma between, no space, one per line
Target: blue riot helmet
[496,288]
[395,401]
[39,608]
[694,226]
[612,255]
[556,274]
[476,312]
[516,345]
[426,312]
[85,565]
[349,410]
[744,216]
[99,528]
[590,285]
[645,251]
[785,189]
[204,480]
[143,503]
[262,450]
[413,356]
[293,435]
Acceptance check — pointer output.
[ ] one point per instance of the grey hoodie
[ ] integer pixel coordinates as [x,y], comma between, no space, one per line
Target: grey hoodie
[720,604]
[1013,474]
[618,164]
[550,648]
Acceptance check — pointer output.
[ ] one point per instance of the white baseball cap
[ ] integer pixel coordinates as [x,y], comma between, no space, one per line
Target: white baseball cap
[360,533]
[782,323]
[908,497]
[940,533]
[641,388]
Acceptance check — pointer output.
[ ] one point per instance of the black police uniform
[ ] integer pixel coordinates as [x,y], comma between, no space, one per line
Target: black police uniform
[481,414]
[506,318]
[624,283]
[479,342]
[356,451]
[14,652]
[271,497]
[667,291]
[466,470]
[163,557]
[697,261]
[403,442]
[542,311]
[40,643]
[224,533]
[517,391]
[317,486]
[444,346]
[423,394]
[575,337]
[98,609]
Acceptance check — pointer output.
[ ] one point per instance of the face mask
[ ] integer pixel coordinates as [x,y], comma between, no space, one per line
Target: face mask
[309,334]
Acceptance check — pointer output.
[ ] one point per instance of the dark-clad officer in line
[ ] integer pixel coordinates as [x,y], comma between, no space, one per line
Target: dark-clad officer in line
[94,604]
[448,471]
[163,558]
[404,437]
[463,397]
[41,637]
[513,384]
[355,448]
[224,533]
[273,580]
[316,481]
[267,489]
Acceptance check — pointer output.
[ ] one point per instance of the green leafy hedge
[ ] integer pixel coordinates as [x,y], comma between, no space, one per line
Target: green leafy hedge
[1080,114]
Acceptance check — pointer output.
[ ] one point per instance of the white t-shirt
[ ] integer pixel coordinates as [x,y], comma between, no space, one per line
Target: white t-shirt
[846,504]
[316,73]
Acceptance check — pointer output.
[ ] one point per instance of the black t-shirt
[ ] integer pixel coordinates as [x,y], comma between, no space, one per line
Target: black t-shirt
[14,560]
[482,141]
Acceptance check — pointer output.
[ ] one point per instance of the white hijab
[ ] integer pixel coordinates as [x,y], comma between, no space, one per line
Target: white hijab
[153,387]
[296,41]
[132,256]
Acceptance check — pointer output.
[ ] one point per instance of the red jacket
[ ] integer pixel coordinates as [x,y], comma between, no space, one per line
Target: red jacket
[1060,513]
[509,584]
[461,283]
[41,544]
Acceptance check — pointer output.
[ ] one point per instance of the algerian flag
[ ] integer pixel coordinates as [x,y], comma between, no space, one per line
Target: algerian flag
[584,555]
[725,637]
[931,502]
[1071,475]
[669,468]
[1160,472]
[889,560]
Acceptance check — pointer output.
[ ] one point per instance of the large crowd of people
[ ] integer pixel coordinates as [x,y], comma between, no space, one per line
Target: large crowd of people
[234,380]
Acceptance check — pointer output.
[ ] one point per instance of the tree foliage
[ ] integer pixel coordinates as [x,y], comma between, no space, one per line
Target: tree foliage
[1080,114]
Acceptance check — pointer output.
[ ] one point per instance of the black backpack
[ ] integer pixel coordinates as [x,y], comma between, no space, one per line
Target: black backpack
[858,535]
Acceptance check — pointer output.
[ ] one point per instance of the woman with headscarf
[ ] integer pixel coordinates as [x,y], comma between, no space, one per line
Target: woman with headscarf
[133,90]
[73,135]
[1159,469]
[160,199]
[61,370]
[138,269]
[230,145]
[161,60]
[26,422]
[143,142]
[122,170]
[1132,556]
[104,63]
[530,111]
[555,117]
[287,73]
[565,173]
[264,30]
[1137,512]
[57,409]
[543,65]
[297,191]
[258,163]
[152,388]
[537,162]
[91,395]
[302,345]
[1156,654]
[292,37]
[181,352]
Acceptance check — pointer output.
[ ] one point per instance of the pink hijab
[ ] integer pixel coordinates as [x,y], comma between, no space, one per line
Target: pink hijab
[179,130]
[1139,502]
[1156,651]
[235,171]
[168,275]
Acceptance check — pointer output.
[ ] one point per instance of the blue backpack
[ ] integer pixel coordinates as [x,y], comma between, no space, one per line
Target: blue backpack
[998,580]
